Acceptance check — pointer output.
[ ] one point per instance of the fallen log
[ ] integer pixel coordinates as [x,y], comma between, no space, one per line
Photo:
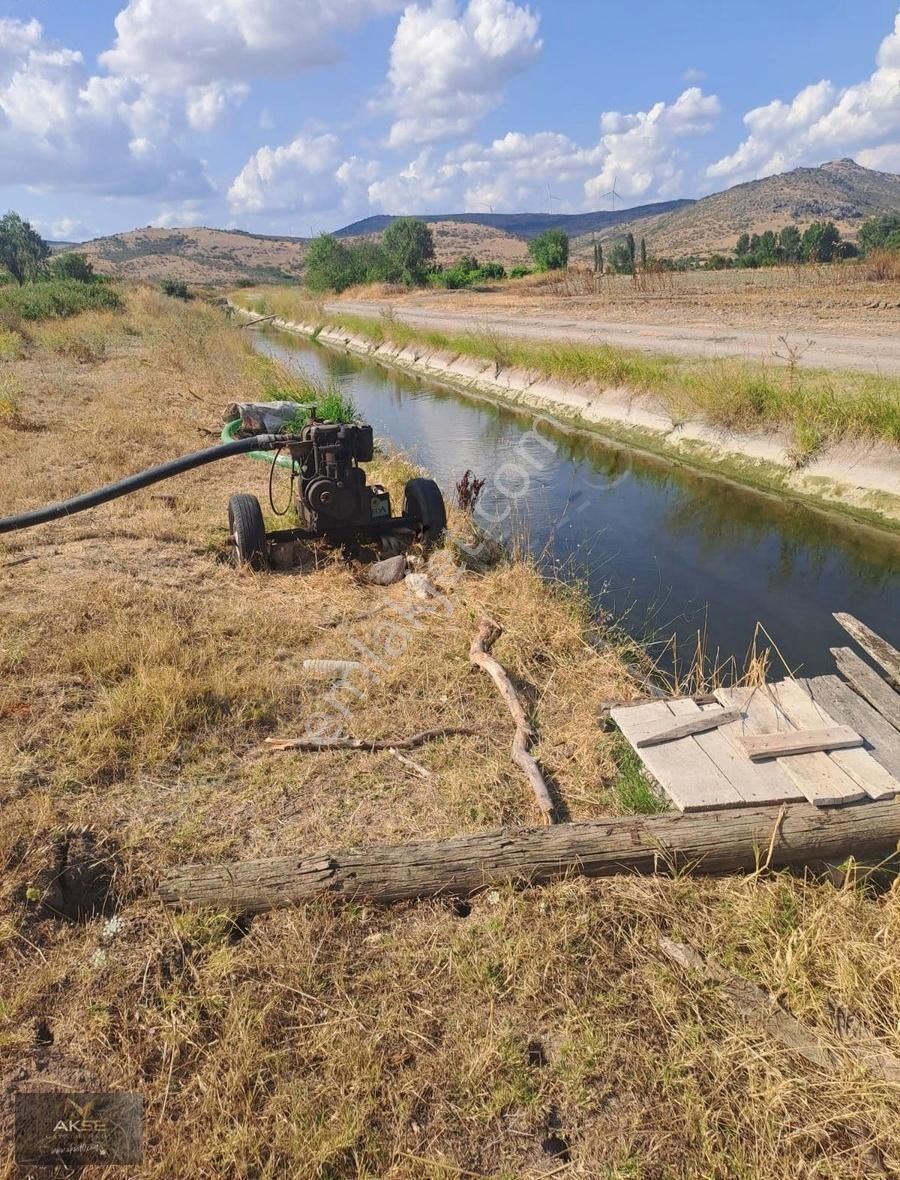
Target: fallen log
[480,654]
[713,842]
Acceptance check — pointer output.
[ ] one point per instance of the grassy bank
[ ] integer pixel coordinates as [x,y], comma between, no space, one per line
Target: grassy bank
[537,1033]
[815,406]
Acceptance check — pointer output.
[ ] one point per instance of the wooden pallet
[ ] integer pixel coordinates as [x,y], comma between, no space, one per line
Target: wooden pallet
[836,742]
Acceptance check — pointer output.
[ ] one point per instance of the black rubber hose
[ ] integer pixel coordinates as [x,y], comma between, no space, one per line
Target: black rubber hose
[134,483]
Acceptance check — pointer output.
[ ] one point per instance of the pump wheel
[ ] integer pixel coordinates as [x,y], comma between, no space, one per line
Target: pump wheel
[423,503]
[248,532]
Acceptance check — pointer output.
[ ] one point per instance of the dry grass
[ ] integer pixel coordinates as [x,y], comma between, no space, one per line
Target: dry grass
[541,1033]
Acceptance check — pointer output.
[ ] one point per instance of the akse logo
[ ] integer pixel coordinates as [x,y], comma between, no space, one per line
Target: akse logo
[83,1123]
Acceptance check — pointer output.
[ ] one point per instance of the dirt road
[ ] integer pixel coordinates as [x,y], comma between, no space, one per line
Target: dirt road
[828,350]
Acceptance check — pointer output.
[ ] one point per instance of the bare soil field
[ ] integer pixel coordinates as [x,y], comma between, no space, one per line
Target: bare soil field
[834,316]
[527,1034]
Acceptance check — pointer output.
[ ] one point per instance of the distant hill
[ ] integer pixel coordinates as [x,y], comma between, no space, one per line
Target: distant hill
[454,238]
[197,255]
[522,225]
[841,191]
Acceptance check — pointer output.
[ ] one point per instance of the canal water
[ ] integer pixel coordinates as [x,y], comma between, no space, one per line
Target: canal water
[668,552]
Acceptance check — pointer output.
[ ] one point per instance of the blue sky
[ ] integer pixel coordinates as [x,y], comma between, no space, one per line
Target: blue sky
[295,116]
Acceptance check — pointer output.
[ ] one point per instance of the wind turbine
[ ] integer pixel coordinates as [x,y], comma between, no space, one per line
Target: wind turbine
[613,194]
[550,197]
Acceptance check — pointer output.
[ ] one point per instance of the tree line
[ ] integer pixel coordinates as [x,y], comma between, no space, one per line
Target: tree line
[406,255]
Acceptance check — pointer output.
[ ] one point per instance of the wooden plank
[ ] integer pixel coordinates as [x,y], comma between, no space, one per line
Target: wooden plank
[883,653]
[685,773]
[868,684]
[699,722]
[815,776]
[763,783]
[859,764]
[771,784]
[800,741]
[883,741]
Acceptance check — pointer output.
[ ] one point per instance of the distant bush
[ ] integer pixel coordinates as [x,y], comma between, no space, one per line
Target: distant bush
[466,272]
[519,272]
[57,299]
[550,250]
[176,288]
[72,266]
[880,233]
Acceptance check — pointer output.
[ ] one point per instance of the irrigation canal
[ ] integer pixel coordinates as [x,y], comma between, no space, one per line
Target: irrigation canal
[666,551]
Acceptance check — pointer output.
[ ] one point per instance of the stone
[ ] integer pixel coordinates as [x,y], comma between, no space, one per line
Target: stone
[387,572]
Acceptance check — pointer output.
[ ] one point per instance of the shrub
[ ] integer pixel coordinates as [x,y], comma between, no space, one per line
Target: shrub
[880,233]
[72,266]
[57,299]
[519,272]
[175,287]
[550,250]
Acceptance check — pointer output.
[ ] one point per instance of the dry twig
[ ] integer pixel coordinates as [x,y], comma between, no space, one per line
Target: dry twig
[479,653]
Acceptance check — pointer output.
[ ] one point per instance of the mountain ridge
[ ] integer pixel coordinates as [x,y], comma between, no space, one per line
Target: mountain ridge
[839,190]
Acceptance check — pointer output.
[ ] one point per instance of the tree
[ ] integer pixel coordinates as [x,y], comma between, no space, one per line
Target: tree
[370,264]
[819,241]
[790,244]
[409,247]
[620,259]
[598,258]
[643,253]
[330,265]
[72,266]
[22,249]
[629,242]
[880,233]
[550,250]
[742,246]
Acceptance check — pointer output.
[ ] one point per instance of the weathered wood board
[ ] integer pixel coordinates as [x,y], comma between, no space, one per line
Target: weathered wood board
[800,741]
[684,771]
[700,722]
[836,698]
[868,684]
[795,698]
[816,776]
[883,653]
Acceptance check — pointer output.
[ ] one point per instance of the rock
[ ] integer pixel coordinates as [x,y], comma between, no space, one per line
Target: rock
[421,586]
[479,556]
[387,572]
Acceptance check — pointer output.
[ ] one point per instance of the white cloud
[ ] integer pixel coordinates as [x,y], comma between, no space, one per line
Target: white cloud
[448,67]
[205,105]
[62,128]
[693,75]
[299,176]
[62,229]
[181,43]
[823,121]
[639,152]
